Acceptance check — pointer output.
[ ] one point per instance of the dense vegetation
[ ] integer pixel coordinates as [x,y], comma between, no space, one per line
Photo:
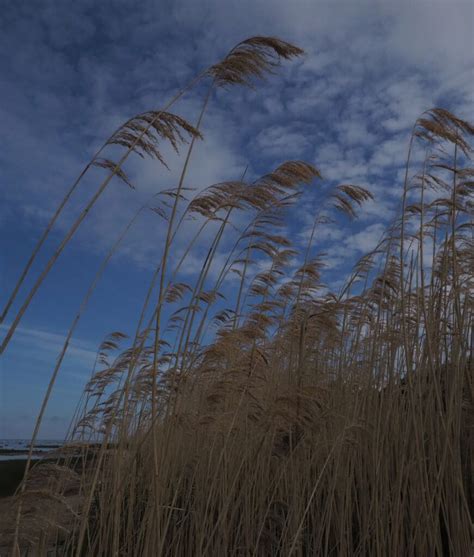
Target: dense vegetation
[281,419]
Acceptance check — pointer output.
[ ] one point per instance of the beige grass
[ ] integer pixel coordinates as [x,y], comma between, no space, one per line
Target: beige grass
[336,424]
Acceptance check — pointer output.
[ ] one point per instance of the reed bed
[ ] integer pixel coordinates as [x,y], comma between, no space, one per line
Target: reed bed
[274,417]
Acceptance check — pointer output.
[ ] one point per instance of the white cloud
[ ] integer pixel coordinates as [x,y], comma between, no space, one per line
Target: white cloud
[43,343]
[355,77]
[343,253]
[390,154]
[370,69]
[281,141]
[367,239]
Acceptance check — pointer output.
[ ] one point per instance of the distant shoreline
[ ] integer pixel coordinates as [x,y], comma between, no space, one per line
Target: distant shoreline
[38,449]
[19,449]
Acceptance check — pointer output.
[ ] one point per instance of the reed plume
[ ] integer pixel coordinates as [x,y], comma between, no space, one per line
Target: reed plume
[256,410]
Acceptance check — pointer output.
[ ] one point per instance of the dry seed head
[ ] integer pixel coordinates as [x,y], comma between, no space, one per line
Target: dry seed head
[443,125]
[346,195]
[113,167]
[176,291]
[142,133]
[289,175]
[252,58]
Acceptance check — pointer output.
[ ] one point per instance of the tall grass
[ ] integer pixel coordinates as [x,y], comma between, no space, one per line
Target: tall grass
[279,419]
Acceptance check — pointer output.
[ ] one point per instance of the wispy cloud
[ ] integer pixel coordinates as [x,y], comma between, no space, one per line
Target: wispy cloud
[45,343]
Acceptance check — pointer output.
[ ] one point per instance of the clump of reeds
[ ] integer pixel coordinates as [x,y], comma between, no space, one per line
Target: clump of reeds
[282,420]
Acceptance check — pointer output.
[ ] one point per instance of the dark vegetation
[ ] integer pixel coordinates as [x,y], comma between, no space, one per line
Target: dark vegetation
[11,474]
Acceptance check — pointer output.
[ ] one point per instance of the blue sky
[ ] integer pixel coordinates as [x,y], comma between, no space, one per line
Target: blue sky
[71,72]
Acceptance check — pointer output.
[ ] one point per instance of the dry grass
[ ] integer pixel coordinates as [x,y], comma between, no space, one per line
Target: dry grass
[280,421]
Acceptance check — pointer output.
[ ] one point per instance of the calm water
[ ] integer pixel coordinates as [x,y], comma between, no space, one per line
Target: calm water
[18,448]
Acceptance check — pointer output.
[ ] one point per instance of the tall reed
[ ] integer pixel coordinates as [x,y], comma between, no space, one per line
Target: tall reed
[255,412]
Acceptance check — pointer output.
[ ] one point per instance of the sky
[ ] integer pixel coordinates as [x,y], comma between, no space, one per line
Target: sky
[72,72]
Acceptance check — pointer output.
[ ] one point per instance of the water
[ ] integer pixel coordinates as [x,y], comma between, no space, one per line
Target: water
[17,449]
